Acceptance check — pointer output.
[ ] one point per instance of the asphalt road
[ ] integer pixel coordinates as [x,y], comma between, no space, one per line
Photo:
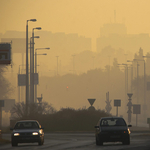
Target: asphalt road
[81,141]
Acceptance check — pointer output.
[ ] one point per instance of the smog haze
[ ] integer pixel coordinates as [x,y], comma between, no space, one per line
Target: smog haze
[87,40]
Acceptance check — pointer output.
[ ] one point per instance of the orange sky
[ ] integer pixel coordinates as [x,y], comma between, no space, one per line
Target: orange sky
[84,17]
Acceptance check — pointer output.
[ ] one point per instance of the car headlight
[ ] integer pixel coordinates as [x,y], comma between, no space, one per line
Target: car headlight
[129,131]
[35,133]
[40,131]
[16,134]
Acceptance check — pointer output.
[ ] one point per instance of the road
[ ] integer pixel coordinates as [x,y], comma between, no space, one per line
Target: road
[81,141]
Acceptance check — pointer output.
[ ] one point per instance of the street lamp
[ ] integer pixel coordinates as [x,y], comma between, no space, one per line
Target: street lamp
[27,72]
[32,67]
[126,92]
[36,56]
[31,73]
[36,70]
[144,77]
[137,76]
[126,76]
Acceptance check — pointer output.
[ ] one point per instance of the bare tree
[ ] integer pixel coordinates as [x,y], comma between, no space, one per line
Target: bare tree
[19,110]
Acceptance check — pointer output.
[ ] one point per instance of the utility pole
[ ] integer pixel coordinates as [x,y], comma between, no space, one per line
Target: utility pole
[108,105]
[129,107]
[27,71]
[137,82]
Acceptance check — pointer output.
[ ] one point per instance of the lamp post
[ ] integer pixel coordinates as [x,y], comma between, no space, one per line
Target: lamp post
[36,72]
[126,78]
[145,81]
[27,71]
[131,74]
[144,78]
[126,74]
[32,67]
[35,97]
[137,77]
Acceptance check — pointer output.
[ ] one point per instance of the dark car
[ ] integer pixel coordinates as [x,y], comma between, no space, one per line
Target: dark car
[27,131]
[112,129]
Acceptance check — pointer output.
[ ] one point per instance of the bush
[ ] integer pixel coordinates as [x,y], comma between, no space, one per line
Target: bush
[66,119]
[73,120]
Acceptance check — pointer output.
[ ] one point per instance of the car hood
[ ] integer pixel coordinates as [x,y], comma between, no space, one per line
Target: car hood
[114,128]
[26,130]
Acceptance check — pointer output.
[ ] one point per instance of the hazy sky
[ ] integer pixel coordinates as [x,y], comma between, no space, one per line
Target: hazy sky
[84,17]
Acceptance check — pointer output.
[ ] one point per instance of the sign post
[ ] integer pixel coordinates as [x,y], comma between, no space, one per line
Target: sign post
[117,103]
[129,107]
[136,110]
[108,103]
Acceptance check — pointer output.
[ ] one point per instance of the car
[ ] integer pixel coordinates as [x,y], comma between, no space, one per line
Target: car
[27,131]
[112,129]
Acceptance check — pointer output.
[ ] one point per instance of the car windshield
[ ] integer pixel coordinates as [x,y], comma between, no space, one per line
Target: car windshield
[113,122]
[26,125]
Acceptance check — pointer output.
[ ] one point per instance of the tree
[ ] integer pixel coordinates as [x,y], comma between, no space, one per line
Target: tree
[5,88]
[34,110]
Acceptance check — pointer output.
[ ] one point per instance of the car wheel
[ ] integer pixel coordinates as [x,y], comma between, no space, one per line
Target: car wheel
[40,142]
[14,143]
[98,142]
[126,142]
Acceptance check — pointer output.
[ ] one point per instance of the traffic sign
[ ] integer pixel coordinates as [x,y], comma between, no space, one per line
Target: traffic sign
[136,109]
[9,103]
[1,103]
[5,53]
[22,79]
[148,86]
[91,101]
[148,120]
[117,102]
[130,95]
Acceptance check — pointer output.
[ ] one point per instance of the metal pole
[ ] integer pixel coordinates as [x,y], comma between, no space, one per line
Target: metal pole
[30,66]
[127,78]
[125,81]
[35,72]
[19,87]
[32,70]
[0,118]
[137,83]
[145,109]
[117,111]
[109,75]
[131,77]
[33,66]
[27,79]
[136,119]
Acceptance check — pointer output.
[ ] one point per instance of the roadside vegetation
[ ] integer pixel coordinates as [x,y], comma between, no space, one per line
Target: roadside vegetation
[66,119]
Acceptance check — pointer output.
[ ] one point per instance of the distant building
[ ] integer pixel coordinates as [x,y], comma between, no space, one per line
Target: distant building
[61,44]
[115,34]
